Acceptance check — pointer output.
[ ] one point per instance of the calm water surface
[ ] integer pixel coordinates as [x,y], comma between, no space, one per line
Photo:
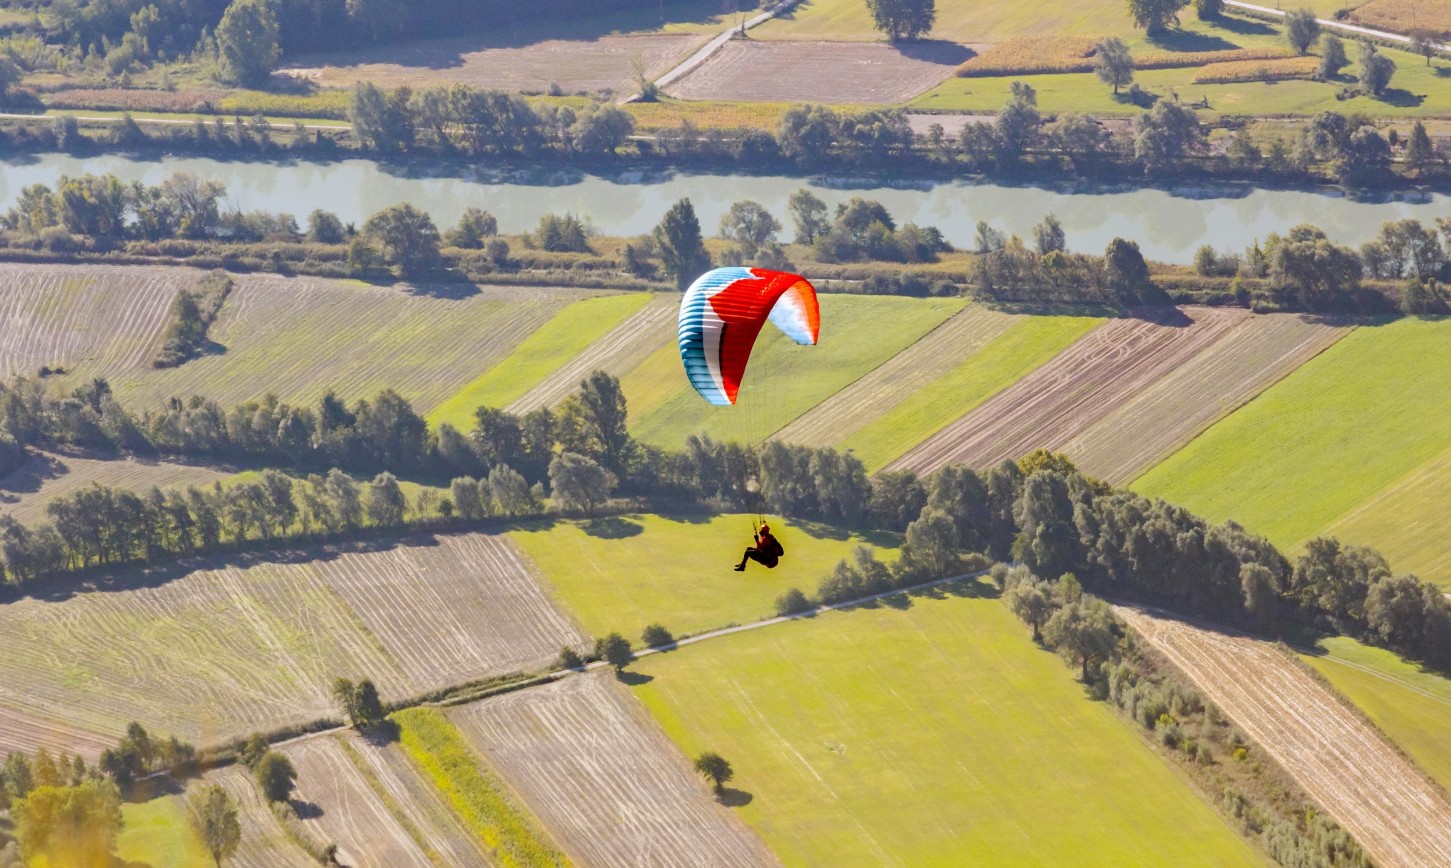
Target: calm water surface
[1168,224]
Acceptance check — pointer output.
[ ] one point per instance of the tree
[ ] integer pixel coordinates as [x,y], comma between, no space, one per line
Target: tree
[1319,273]
[614,649]
[602,128]
[1081,633]
[1125,269]
[903,19]
[1423,42]
[1018,123]
[809,214]
[806,133]
[580,483]
[276,776]
[930,549]
[656,636]
[593,422]
[72,825]
[750,226]
[409,238]
[379,19]
[248,40]
[324,227]
[1261,592]
[1375,69]
[1209,10]
[1156,16]
[1029,603]
[1113,63]
[714,768]
[473,227]
[381,120]
[1420,155]
[682,250]
[1165,134]
[1301,29]
[214,816]
[369,706]
[1332,56]
[1048,236]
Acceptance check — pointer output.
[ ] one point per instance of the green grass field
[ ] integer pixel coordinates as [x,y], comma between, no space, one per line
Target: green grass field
[1410,705]
[957,20]
[783,380]
[1406,521]
[158,833]
[1313,447]
[1005,360]
[560,339]
[936,733]
[622,574]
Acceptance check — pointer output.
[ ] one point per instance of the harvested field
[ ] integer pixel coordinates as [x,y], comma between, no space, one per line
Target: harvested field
[1403,16]
[1080,386]
[28,733]
[264,843]
[940,350]
[221,651]
[299,337]
[1387,804]
[604,779]
[618,352]
[823,72]
[95,321]
[46,476]
[1170,412]
[839,20]
[574,65]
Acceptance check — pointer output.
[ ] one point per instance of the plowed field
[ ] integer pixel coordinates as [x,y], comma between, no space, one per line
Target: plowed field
[1080,386]
[28,733]
[1398,816]
[223,651]
[609,785]
[822,72]
[264,844]
[25,493]
[1169,413]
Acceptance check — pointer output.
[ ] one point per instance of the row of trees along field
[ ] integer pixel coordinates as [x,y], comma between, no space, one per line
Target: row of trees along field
[1040,512]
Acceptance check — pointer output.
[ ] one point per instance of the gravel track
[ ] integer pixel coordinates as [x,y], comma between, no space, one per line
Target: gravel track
[618,353]
[1254,356]
[875,394]
[1083,384]
[1385,802]
[604,779]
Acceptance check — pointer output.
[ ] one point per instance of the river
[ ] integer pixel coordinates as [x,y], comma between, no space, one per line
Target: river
[1169,224]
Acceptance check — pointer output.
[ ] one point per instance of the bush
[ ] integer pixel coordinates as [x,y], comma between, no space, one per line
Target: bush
[793,602]
[570,659]
[656,636]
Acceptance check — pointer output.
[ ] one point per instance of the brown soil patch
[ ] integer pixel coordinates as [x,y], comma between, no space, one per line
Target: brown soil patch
[604,779]
[588,65]
[47,476]
[1385,802]
[1210,386]
[821,72]
[1083,384]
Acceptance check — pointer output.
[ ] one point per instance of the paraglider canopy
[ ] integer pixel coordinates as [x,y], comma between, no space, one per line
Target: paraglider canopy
[723,312]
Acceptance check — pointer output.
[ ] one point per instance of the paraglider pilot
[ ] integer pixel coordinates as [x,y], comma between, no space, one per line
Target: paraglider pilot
[766,552]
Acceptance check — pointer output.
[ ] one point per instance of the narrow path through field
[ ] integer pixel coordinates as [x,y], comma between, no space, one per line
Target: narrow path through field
[1387,804]
[713,46]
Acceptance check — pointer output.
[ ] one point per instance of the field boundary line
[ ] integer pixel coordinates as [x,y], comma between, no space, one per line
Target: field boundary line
[1338,25]
[703,54]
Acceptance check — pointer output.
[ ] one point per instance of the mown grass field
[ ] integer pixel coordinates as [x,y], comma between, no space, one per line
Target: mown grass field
[929,731]
[553,344]
[158,834]
[1323,440]
[1410,705]
[783,380]
[957,20]
[622,574]
[1406,521]
[1003,361]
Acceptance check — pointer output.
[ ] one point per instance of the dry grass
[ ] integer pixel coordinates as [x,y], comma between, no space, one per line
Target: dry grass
[607,783]
[1030,55]
[574,65]
[820,72]
[651,117]
[1279,69]
[1403,16]
[254,644]
[135,99]
[25,493]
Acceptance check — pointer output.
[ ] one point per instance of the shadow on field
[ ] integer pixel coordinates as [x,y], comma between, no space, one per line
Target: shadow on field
[306,810]
[1402,98]
[380,734]
[935,51]
[38,470]
[733,798]
[1244,26]
[613,527]
[633,679]
[1187,41]
[965,588]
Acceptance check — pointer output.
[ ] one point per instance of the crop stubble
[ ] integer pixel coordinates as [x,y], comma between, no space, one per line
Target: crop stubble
[602,777]
[1387,804]
[834,419]
[1080,386]
[264,844]
[25,493]
[1212,384]
[822,72]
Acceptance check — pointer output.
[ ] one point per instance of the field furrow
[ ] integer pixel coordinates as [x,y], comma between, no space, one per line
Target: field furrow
[264,843]
[822,72]
[334,798]
[606,782]
[25,493]
[27,733]
[1082,385]
[1169,413]
[1390,807]
[618,352]
[836,418]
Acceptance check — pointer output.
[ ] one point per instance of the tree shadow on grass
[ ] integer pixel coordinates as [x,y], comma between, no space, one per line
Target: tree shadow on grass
[1244,26]
[1402,98]
[1190,41]
[935,51]
[612,527]
[733,798]
[633,679]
